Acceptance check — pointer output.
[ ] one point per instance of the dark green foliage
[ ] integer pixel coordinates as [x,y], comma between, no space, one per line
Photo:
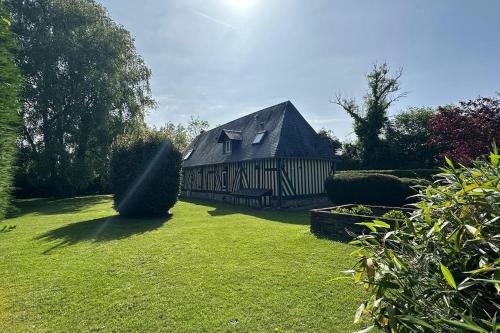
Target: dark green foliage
[407,173]
[356,210]
[332,141]
[145,175]
[439,270]
[371,189]
[370,119]
[407,136]
[85,84]
[9,119]
[394,214]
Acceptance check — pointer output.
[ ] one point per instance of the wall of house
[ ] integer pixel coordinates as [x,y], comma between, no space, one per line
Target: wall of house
[300,178]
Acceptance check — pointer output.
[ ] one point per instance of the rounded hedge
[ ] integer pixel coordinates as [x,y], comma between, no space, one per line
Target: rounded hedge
[145,175]
[367,189]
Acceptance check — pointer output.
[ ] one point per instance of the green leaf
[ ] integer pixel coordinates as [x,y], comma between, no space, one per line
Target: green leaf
[448,276]
[389,285]
[417,321]
[472,230]
[467,326]
[369,225]
[449,162]
[381,224]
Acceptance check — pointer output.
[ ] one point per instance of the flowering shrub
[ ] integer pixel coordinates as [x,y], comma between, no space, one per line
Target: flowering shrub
[438,270]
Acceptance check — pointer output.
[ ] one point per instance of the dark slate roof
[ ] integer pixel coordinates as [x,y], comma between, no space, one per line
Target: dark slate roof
[288,135]
[231,135]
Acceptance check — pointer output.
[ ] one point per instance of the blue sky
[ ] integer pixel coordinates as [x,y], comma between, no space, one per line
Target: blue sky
[221,59]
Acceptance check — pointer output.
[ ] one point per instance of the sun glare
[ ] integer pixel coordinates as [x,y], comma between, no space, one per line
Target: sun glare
[242,3]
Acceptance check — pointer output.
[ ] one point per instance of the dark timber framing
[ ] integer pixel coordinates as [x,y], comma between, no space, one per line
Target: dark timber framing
[288,162]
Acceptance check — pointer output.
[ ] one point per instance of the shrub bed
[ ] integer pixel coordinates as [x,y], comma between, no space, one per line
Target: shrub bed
[145,175]
[342,222]
[369,189]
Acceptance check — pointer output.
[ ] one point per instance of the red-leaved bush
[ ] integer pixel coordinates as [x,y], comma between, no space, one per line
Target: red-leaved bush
[466,131]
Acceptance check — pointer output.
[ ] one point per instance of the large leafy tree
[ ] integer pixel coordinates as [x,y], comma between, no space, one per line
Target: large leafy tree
[466,131]
[407,136]
[371,118]
[178,134]
[330,138]
[84,85]
[9,120]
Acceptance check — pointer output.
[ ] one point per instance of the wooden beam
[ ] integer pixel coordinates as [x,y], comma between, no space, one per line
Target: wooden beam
[280,185]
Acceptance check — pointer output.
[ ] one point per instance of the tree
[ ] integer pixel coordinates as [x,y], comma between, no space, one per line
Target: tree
[195,127]
[84,85]
[332,141]
[466,131]
[9,119]
[178,134]
[407,136]
[181,136]
[370,120]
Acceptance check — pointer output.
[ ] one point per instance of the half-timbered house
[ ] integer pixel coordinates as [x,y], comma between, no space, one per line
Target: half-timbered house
[272,157]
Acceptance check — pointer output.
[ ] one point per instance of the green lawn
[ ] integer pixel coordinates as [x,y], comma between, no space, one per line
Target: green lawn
[70,265]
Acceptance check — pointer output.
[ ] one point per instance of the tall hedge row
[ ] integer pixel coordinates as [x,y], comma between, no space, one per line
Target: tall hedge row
[368,189]
[145,175]
[9,120]
[406,173]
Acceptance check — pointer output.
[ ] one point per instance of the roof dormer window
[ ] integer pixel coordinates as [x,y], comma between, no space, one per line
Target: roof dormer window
[229,140]
[188,154]
[258,138]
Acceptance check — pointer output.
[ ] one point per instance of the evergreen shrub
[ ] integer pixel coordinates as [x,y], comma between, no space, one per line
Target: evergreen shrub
[145,175]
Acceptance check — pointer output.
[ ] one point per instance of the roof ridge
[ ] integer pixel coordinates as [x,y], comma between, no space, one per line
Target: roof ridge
[282,120]
[247,115]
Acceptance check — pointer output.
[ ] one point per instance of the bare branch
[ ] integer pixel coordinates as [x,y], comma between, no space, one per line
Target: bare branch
[349,105]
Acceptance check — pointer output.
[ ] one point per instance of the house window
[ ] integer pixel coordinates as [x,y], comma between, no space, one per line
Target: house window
[227,147]
[224,180]
[258,138]
[188,154]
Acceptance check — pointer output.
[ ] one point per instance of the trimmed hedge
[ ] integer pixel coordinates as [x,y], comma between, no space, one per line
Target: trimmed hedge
[409,173]
[145,175]
[367,189]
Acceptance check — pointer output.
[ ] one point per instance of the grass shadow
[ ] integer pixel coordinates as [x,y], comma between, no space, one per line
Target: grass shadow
[282,216]
[100,230]
[53,206]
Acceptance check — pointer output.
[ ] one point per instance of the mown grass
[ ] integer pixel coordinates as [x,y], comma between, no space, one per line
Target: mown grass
[72,266]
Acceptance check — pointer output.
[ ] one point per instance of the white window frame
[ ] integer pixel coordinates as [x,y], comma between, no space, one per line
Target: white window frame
[227,147]
[260,136]
[188,154]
